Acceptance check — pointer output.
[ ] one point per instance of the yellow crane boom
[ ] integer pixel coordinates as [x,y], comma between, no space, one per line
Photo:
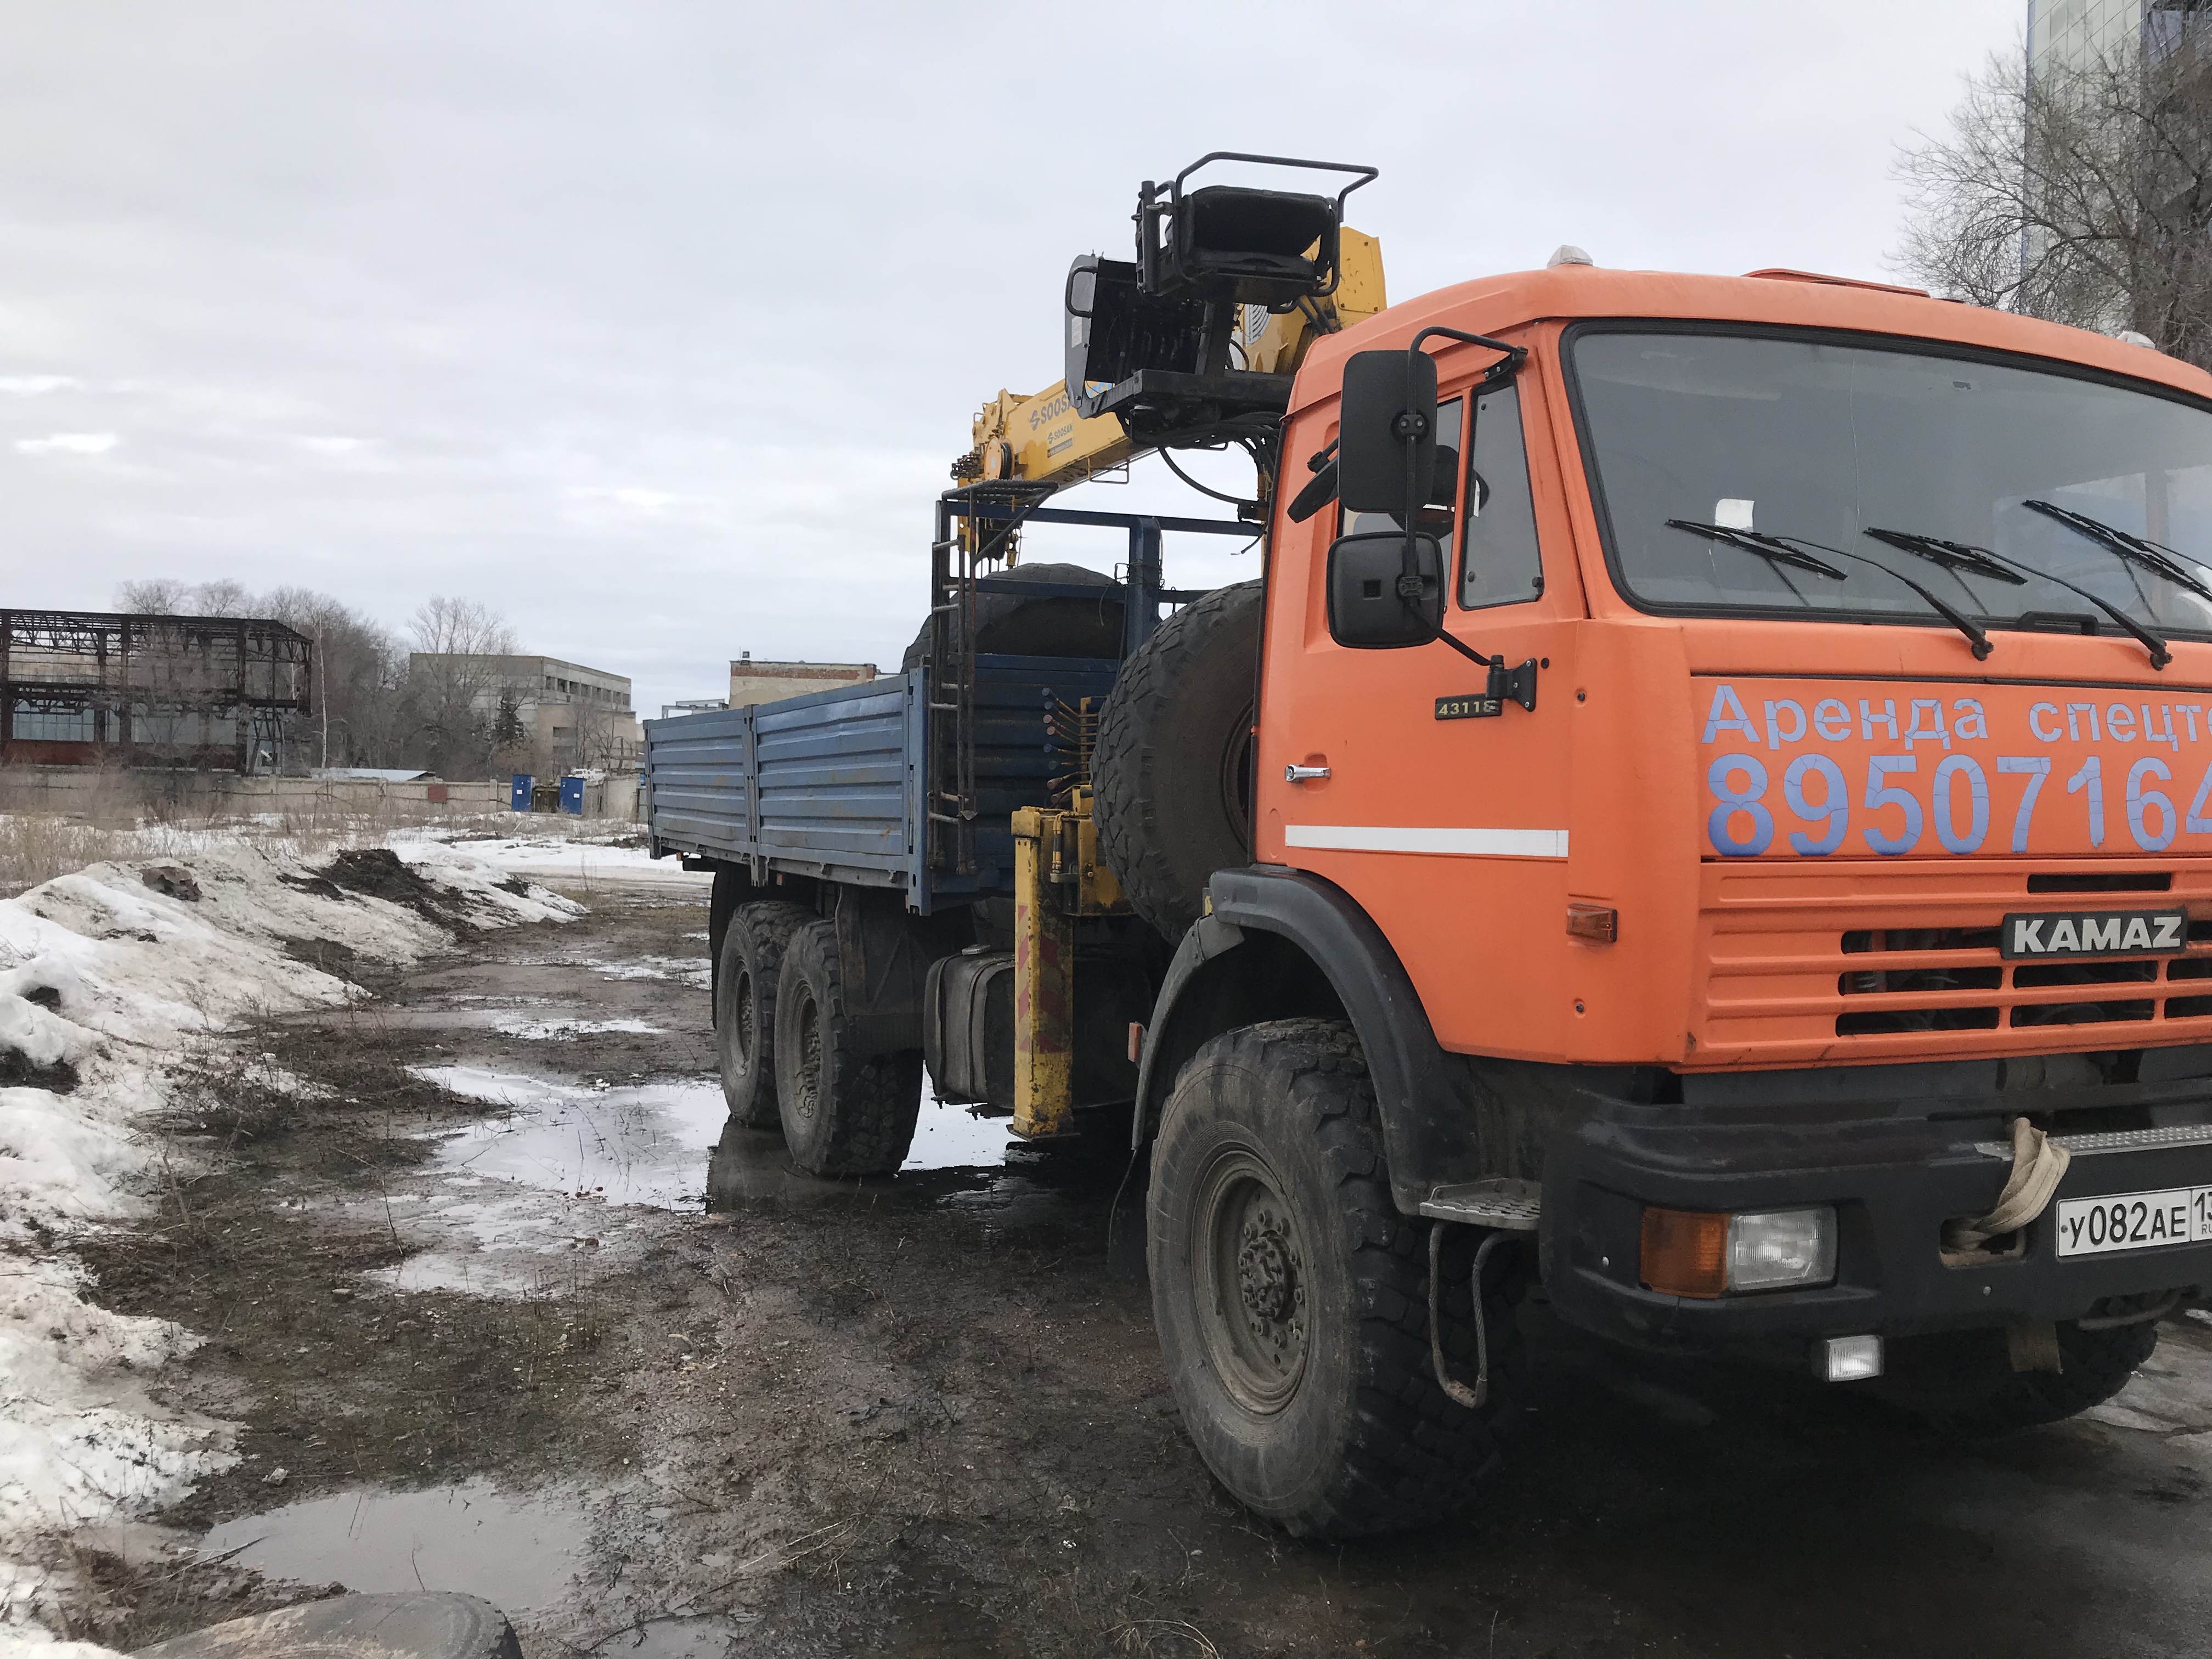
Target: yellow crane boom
[1043,439]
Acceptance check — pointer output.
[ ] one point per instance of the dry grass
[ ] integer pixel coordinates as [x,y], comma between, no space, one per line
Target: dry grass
[36,846]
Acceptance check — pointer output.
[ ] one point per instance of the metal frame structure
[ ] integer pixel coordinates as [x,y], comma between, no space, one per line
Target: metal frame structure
[130,672]
[954,561]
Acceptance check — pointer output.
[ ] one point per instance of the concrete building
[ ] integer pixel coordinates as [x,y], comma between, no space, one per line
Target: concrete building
[765,681]
[561,716]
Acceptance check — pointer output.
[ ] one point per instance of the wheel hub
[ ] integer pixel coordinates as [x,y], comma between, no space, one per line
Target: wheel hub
[1266,1267]
[1250,1269]
[747,1038]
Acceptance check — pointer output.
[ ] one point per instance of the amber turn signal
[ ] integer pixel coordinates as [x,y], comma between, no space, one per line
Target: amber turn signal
[1685,1252]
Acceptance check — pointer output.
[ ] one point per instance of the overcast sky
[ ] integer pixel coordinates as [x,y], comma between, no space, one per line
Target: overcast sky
[656,326]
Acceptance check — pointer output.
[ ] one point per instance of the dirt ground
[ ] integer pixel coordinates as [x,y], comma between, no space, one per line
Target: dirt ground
[926,1416]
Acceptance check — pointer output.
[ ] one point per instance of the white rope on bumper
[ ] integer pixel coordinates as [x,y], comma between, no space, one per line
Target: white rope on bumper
[2038,1164]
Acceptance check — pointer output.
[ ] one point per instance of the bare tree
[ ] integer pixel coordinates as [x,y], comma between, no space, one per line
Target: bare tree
[165,596]
[360,672]
[156,596]
[455,679]
[2082,195]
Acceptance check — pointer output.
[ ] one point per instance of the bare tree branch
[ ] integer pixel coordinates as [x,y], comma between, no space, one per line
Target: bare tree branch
[2083,195]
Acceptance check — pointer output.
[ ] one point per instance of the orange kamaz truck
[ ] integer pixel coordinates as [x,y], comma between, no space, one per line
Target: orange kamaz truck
[1705,821]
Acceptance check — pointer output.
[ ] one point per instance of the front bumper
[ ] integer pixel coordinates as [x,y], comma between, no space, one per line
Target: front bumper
[1894,1182]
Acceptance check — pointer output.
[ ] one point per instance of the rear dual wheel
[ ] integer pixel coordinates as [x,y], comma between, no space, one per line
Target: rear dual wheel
[745,1007]
[844,1112]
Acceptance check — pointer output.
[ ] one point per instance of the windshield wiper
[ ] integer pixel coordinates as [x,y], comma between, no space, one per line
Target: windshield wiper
[1772,549]
[1785,549]
[2134,548]
[1952,556]
[1959,555]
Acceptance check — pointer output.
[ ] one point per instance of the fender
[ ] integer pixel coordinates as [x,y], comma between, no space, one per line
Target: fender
[1430,1105]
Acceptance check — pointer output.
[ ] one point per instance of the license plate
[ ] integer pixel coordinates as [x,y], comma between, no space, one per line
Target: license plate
[2135,1221]
[2033,935]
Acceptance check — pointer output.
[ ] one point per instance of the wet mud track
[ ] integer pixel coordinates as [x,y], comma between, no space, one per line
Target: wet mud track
[757,1413]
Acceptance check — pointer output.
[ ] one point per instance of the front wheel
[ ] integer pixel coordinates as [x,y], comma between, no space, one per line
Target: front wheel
[1963,1382]
[1291,1296]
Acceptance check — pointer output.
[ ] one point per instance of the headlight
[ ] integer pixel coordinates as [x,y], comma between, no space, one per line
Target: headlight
[1768,1249]
[1702,1253]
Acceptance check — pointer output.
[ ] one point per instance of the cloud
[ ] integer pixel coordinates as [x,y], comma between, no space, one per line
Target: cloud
[69,443]
[543,266]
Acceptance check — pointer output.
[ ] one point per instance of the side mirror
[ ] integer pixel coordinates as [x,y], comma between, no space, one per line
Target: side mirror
[1366,610]
[1389,405]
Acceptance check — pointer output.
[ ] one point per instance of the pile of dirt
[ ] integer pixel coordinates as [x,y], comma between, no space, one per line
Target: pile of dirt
[377,873]
[19,1071]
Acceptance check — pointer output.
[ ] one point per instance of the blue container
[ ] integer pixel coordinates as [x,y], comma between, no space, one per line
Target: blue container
[571,796]
[519,798]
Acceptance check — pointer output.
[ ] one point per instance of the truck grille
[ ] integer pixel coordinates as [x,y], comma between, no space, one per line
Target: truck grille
[1883,962]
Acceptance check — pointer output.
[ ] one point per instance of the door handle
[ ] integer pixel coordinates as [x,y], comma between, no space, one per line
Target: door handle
[1301,773]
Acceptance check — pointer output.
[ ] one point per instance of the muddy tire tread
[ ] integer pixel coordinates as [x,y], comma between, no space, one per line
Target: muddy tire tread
[2096,1365]
[873,1101]
[765,929]
[1126,800]
[1414,1455]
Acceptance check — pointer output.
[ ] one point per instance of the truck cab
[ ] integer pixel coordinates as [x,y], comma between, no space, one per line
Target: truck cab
[1844,871]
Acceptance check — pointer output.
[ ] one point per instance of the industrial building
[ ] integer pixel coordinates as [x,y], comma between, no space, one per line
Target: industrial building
[564,715]
[765,681]
[95,688]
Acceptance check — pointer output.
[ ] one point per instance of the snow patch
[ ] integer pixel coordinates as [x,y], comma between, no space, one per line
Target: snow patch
[105,985]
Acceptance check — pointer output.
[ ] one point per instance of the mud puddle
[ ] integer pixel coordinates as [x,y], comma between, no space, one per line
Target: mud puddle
[519,1554]
[639,1144]
[649,1143]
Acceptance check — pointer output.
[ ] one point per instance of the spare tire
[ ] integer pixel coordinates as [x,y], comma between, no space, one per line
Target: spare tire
[1024,625]
[1172,770]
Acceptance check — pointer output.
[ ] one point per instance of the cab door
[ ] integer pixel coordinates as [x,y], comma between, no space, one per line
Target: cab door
[1450,831]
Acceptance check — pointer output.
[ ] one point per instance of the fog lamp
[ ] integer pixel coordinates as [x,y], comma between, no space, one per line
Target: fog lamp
[1847,1358]
[1770,1250]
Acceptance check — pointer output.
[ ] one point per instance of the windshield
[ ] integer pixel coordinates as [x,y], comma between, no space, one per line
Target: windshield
[1819,442]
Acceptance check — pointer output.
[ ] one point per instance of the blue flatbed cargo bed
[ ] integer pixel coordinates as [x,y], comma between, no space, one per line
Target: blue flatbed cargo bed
[835,785]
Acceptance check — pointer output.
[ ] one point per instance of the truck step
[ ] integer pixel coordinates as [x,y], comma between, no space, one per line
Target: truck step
[1499,1202]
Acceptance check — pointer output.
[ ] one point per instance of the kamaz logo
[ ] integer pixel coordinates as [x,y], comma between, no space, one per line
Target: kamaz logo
[2094,934]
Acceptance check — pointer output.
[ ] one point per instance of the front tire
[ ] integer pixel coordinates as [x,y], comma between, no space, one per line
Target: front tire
[1291,1296]
[744,1008]
[844,1113]
[1963,1381]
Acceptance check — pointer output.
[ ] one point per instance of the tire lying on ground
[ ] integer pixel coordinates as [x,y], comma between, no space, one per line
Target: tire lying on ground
[1291,1296]
[430,1625]
[1020,625]
[744,1008]
[1173,766]
[844,1113]
[1963,1381]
